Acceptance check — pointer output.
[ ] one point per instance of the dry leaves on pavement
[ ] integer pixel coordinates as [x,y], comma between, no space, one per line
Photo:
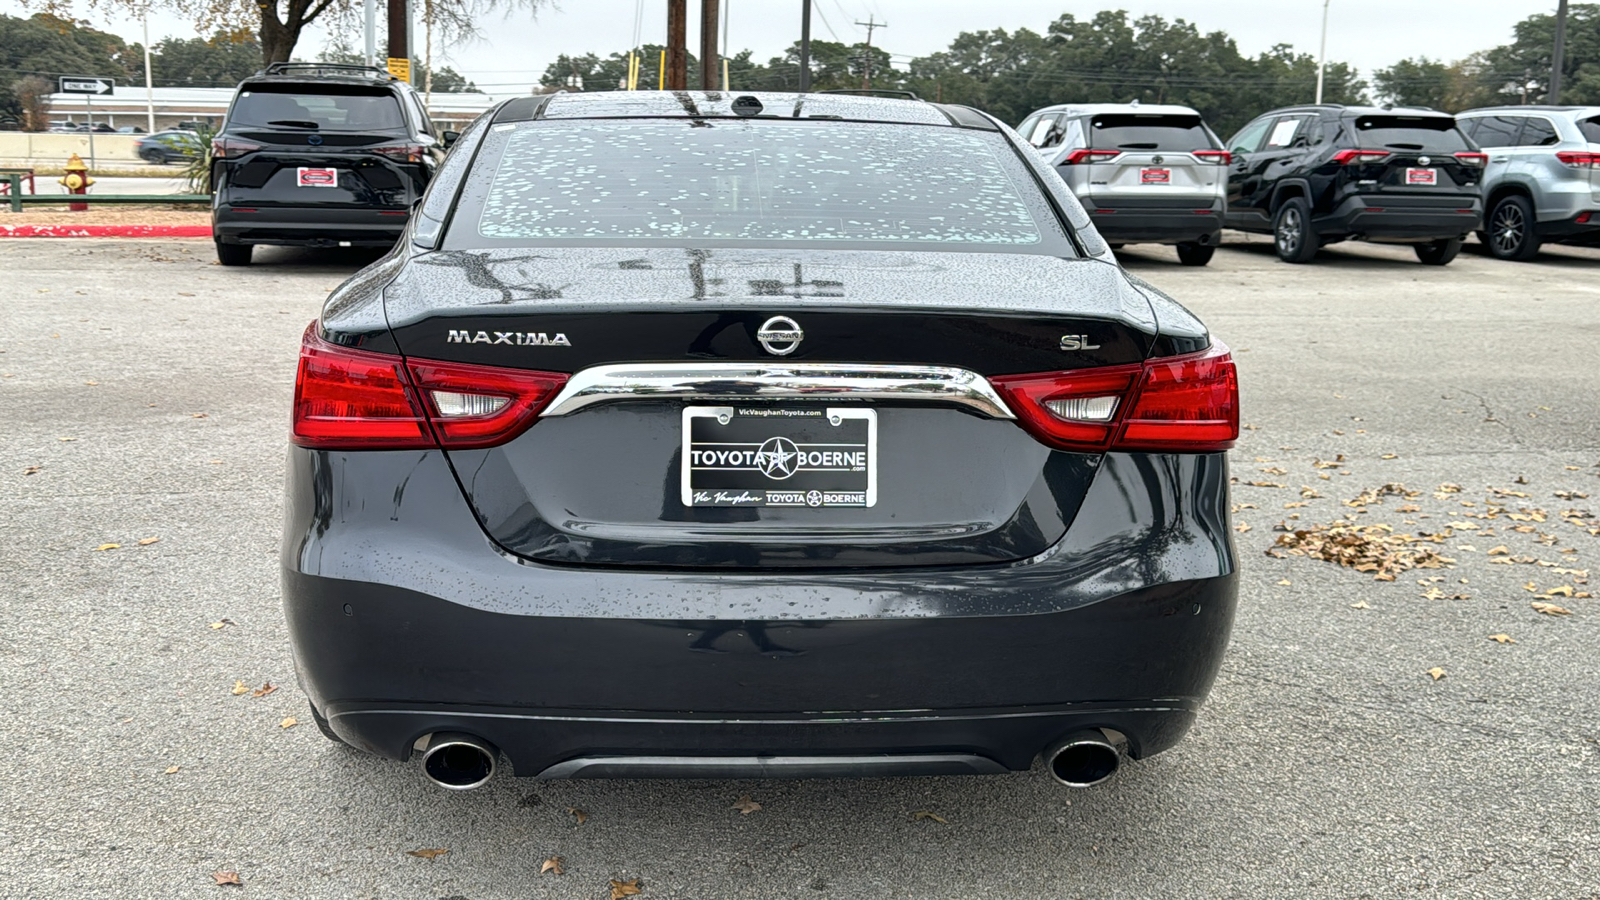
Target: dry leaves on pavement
[145,542]
[553,864]
[32,470]
[264,690]
[171,770]
[1502,639]
[1365,548]
[108,547]
[620,889]
[239,687]
[289,722]
[1437,673]
[221,623]
[745,805]
[924,814]
[1550,609]
[578,814]
[430,853]
[227,878]
[1376,495]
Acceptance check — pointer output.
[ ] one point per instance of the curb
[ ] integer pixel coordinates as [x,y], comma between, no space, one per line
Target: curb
[128,231]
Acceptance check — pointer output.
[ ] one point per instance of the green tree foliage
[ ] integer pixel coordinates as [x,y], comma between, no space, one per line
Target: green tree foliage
[218,61]
[46,46]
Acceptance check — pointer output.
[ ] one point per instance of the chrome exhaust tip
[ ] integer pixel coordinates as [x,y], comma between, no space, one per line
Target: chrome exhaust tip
[1082,759]
[458,762]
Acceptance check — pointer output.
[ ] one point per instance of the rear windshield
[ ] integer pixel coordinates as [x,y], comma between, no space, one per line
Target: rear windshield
[1436,133]
[317,107]
[1136,132]
[1591,130]
[753,183]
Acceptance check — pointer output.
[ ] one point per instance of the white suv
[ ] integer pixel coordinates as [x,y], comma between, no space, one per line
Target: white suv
[1145,173]
[1542,181]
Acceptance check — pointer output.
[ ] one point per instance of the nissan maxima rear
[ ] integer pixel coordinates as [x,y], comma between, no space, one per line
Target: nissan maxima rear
[756,435]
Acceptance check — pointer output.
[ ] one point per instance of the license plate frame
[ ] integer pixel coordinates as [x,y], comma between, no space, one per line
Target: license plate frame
[316,177]
[1155,175]
[1422,176]
[751,465]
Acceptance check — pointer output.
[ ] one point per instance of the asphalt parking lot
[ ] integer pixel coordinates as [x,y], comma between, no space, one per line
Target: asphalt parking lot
[145,393]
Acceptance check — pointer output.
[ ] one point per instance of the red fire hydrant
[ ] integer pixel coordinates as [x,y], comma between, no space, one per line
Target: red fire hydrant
[76,181]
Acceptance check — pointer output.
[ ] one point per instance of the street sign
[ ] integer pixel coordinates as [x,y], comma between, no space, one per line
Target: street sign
[85,84]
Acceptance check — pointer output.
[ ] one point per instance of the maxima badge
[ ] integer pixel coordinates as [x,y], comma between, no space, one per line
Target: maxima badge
[780,335]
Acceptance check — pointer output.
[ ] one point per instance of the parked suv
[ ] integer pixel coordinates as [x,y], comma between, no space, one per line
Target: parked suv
[167,146]
[1316,175]
[319,155]
[1146,174]
[1543,178]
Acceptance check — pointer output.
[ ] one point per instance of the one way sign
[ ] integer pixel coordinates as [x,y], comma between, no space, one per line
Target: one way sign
[85,84]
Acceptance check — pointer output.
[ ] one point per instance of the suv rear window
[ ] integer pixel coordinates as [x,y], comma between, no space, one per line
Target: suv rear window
[1590,129]
[324,107]
[1437,133]
[1152,132]
[762,183]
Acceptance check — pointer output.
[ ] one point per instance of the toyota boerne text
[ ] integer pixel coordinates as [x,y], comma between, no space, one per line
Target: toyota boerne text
[709,434]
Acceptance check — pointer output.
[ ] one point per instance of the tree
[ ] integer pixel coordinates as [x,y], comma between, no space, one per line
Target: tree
[222,60]
[46,46]
[1519,72]
[33,102]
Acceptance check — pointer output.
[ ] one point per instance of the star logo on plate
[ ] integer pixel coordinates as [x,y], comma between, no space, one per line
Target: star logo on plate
[777,458]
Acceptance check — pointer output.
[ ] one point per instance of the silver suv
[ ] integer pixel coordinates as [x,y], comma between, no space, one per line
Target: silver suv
[1542,182]
[1145,173]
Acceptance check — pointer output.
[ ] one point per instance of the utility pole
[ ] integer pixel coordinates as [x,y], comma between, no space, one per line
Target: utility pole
[149,92]
[400,39]
[1556,61]
[866,61]
[1322,55]
[805,45]
[369,30]
[710,69]
[677,45]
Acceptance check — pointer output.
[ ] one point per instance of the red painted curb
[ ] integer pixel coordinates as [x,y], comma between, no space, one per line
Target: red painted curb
[132,231]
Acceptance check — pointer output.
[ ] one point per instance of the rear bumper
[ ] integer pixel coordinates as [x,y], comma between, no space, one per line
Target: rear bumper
[1127,225]
[307,226]
[405,620]
[1402,218]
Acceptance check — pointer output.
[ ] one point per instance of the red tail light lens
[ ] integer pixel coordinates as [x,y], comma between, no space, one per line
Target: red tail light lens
[1078,157]
[1357,157]
[1474,159]
[1180,404]
[1579,159]
[403,152]
[358,400]
[1220,157]
[229,148]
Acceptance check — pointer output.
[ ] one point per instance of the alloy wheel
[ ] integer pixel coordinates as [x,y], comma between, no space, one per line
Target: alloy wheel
[1290,232]
[1508,227]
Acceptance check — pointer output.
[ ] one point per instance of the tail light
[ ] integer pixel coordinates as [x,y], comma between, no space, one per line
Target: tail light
[359,400]
[1078,157]
[402,152]
[1473,159]
[1357,157]
[1187,404]
[1220,157]
[1580,159]
[229,148]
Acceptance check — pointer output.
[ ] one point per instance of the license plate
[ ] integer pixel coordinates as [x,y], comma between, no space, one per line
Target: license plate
[1422,176]
[761,456]
[1155,176]
[308,177]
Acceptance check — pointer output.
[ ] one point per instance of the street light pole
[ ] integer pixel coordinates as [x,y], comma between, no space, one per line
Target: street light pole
[1322,56]
[149,92]
[805,45]
[369,11]
[1556,61]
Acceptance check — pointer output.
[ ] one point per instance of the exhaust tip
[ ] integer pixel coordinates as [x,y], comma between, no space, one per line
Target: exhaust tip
[458,762]
[1082,759]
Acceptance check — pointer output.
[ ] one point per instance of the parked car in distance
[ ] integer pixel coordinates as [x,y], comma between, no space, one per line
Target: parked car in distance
[708,434]
[169,146]
[1146,173]
[1543,179]
[131,129]
[1315,175]
[324,155]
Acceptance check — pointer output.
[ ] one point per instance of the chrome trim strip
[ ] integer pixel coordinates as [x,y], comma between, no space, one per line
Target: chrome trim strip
[778,381]
[821,766]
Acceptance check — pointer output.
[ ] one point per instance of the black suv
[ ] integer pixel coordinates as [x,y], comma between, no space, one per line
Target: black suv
[1316,175]
[319,155]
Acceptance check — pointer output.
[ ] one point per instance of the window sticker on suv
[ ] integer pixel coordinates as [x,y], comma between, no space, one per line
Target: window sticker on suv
[1283,133]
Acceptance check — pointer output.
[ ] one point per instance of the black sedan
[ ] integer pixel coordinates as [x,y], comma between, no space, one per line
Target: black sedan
[694,434]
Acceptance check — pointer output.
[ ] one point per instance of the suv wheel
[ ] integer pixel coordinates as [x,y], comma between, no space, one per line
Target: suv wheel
[153,156]
[234,254]
[1511,229]
[1193,254]
[1438,253]
[1292,233]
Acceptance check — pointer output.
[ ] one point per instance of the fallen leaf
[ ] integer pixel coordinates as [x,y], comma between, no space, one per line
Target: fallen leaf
[289,722]
[221,623]
[1274,470]
[32,470]
[578,814]
[171,770]
[553,864]
[745,805]
[197,415]
[1360,604]
[1408,508]
[1564,590]
[620,889]
[1285,582]
[145,542]
[107,547]
[182,294]
[1448,488]
[264,690]
[428,853]
[1502,639]
[66,440]
[1436,672]
[92,383]
[1499,551]
[1295,504]
[1530,586]
[1521,479]
[1390,456]
[1550,609]
[1370,548]
[1242,527]
[924,814]
[1269,484]
[227,878]
[240,687]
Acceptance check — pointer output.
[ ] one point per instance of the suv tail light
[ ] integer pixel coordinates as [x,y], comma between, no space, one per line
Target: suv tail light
[229,148]
[1186,404]
[1220,157]
[1077,157]
[1347,157]
[359,400]
[1580,159]
[1473,159]
[402,152]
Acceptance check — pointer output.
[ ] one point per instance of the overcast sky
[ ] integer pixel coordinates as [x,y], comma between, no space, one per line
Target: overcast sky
[1369,34]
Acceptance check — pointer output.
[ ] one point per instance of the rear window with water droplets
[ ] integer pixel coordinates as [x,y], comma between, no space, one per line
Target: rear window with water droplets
[756,183]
